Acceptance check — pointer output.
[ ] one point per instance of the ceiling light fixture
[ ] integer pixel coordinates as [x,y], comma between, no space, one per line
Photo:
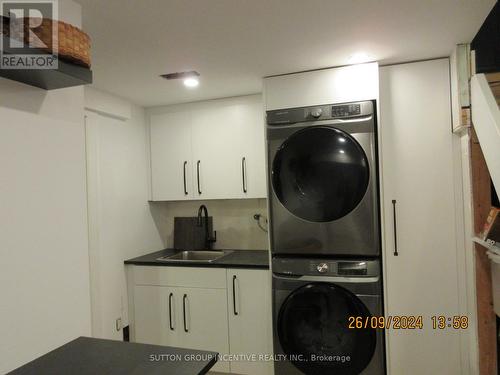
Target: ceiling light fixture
[191,82]
[189,78]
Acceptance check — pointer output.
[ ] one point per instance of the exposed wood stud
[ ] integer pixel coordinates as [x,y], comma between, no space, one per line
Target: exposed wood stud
[494,81]
[486,324]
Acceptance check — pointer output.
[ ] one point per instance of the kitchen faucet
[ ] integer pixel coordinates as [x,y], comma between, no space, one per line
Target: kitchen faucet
[209,240]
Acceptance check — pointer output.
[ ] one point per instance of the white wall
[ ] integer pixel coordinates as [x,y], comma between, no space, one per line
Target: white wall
[121,225]
[44,284]
[232,219]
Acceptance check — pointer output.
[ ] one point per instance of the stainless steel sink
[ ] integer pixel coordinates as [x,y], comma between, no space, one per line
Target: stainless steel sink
[195,256]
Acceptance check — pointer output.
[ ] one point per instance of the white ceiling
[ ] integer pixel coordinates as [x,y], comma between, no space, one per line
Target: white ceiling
[234,43]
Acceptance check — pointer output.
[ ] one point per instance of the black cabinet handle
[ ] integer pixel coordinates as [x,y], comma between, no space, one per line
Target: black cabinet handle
[243,172]
[234,295]
[198,175]
[184,312]
[395,228]
[185,183]
[170,311]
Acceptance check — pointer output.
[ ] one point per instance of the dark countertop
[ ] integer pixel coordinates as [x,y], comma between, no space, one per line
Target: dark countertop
[88,356]
[237,259]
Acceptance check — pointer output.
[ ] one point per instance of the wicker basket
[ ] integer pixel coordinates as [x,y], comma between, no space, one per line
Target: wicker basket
[72,43]
[5,25]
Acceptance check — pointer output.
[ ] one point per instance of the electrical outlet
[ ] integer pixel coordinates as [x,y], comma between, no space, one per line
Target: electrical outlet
[118,324]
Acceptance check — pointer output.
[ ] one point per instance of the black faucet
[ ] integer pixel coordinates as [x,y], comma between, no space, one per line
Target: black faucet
[209,240]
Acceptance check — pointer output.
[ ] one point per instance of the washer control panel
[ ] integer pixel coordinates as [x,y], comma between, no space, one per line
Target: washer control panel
[326,267]
[340,268]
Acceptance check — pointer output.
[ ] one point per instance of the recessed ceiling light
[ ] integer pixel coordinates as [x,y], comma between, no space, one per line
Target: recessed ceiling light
[191,82]
[190,78]
[359,58]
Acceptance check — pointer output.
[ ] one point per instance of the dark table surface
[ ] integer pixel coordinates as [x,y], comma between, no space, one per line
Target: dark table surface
[88,356]
[258,259]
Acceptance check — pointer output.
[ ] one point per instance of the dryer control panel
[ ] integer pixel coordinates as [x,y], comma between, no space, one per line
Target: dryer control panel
[326,267]
[320,112]
[349,110]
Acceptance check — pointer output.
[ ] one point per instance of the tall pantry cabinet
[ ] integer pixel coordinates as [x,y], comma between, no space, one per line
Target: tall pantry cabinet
[419,215]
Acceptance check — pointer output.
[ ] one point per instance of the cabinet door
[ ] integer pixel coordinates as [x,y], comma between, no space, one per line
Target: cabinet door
[171,167]
[417,174]
[156,315]
[250,323]
[250,138]
[217,152]
[203,317]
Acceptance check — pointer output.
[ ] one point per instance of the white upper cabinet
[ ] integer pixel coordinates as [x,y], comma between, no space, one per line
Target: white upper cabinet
[336,85]
[171,164]
[215,152]
[250,149]
[216,149]
[419,216]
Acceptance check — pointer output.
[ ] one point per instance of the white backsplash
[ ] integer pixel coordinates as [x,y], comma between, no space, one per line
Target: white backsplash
[233,220]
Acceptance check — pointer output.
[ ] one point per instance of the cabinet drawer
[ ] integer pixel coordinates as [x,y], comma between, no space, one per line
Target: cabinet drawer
[188,277]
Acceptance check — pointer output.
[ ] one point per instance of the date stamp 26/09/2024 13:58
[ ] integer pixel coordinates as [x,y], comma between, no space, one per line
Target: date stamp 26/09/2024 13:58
[437,322]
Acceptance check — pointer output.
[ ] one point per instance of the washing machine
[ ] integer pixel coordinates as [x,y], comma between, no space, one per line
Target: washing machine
[323,173]
[314,304]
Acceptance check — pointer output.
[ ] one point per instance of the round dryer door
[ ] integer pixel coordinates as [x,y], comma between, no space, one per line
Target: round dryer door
[320,174]
[313,329]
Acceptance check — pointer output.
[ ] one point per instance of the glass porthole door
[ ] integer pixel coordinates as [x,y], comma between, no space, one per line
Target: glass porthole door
[320,174]
[313,329]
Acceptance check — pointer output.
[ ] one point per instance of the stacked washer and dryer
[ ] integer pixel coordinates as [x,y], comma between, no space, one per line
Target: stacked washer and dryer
[325,239]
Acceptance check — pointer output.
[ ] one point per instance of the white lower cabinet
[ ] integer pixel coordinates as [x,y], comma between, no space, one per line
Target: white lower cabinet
[203,320]
[182,307]
[151,322]
[250,322]
[194,318]
[226,311]
[419,211]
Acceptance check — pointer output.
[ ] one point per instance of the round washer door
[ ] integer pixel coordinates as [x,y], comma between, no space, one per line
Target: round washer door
[313,329]
[320,174]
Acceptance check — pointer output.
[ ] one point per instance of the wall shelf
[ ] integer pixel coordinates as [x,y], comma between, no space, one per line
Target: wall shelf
[487,245]
[66,75]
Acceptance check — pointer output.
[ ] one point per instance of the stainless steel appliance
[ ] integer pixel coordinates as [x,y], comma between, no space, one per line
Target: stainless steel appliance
[323,180]
[313,300]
